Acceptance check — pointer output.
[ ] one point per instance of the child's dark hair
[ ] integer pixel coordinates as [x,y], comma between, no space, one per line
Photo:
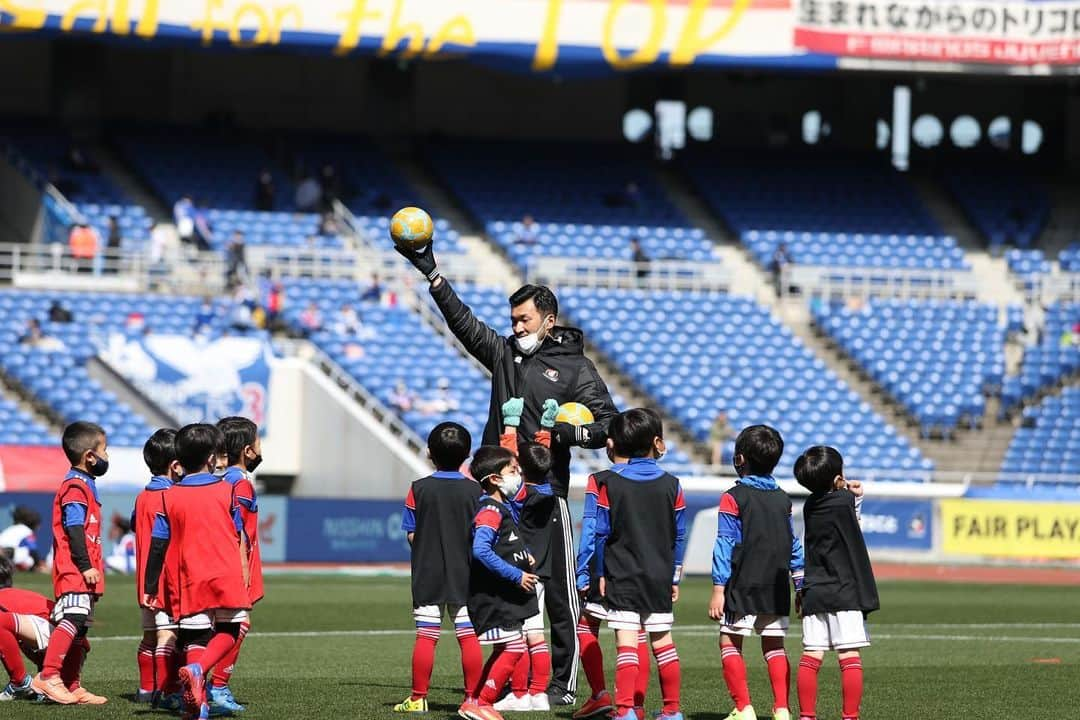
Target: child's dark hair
[28,516]
[449,445]
[761,447]
[7,570]
[535,461]
[633,431]
[817,468]
[78,438]
[196,443]
[239,432]
[489,460]
[122,522]
[160,450]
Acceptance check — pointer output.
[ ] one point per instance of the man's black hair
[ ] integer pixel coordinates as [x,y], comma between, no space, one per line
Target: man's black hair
[239,432]
[26,515]
[535,461]
[160,450]
[541,296]
[817,468]
[78,438]
[761,447]
[7,570]
[633,431]
[449,445]
[196,443]
[489,460]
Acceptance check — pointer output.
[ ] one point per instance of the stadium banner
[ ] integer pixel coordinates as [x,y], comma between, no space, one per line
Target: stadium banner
[1010,529]
[1013,32]
[30,468]
[273,527]
[194,379]
[889,524]
[345,531]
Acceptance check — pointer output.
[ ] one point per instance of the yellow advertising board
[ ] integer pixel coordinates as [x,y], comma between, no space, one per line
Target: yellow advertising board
[1009,528]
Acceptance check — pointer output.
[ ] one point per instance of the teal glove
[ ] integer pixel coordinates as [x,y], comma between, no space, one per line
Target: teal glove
[511,411]
[551,409]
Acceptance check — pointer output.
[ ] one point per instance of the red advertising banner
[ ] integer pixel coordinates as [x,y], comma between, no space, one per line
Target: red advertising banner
[31,468]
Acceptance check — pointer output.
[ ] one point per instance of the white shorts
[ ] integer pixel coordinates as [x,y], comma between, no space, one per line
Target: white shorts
[498,636]
[41,628]
[433,614]
[156,620]
[763,625]
[630,620]
[844,630]
[595,611]
[75,604]
[208,619]
[535,624]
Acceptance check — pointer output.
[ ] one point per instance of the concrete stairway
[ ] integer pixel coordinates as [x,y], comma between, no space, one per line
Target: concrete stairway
[10,390]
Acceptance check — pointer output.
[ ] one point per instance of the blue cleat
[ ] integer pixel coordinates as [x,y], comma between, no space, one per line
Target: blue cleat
[22,690]
[223,698]
[666,716]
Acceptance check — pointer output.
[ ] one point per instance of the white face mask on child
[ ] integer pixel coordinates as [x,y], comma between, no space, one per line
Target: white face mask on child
[510,484]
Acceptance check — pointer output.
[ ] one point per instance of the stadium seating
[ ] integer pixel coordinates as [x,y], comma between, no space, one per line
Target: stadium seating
[840,211]
[1054,358]
[58,378]
[1028,266]
[578,196]
[18,427]
[275,229]
[939,360]
[1069,258]
[700,353]
[1004,205]
[1049,441]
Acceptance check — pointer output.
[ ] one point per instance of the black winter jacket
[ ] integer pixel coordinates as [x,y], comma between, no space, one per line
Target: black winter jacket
[558,369]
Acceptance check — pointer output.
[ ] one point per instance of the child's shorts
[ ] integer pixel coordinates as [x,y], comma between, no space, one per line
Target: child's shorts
[595,610]
[536,622]
[156,620]
[210,618]
[499,636]
[75,604]
[42,631]
[763,625]
[844,630]
[630,620]
[433,614]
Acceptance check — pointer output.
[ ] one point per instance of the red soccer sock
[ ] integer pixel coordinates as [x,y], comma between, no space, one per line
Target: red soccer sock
[500,665]
[146,667]
[224,671]
[735,675]
[193,654]
[641,688]
[218,647]
[423,659]
[71,670]
[472,658]
[540,660]
[626,672]
[59,645]
[10,654]
[519,678]
[779,677]
[807,682]
[163,666]
[592,656]
[670,672]
[851,682]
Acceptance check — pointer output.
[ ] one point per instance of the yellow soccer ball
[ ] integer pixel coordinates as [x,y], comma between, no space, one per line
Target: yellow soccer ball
[411,228]
[574,413]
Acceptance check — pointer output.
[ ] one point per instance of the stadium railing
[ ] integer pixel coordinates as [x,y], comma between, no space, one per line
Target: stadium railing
[1058,287]
[653,275]
[823,282]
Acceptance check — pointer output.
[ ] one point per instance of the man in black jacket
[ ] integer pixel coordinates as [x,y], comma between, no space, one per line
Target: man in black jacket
[539,360]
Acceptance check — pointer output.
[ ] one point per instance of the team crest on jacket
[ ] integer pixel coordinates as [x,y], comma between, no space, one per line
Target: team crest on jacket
[552,374]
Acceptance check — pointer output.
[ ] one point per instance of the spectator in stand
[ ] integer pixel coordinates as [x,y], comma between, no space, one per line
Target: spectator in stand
[442,401]
[1068,338]
[236,269]
[309,194]
[264,191]
[160,238]
[204,232]
[402,398]
[275,303]
[58,313]
[184,217]
[83,244]
[780,260]
[36,337]
[241,317]
[530,231]
[311,320]
[331,187]
[328,225]
[349,322]
[641,260]
[720,434]
[204,319]
[374,292]
[115,239]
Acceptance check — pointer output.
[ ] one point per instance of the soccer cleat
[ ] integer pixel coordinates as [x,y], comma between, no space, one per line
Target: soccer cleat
[194,689]
[516,703]
[627,714]
[223,698]
[419,705]
[85,697]
[598,706]
[668,716]
[22,690]
[53,690]
[475,711]
[171,703]
[781,714]
[144,696]
[539,702]
[558,699]
[747,713]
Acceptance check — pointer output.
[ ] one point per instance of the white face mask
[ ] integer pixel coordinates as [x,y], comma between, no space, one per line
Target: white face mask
[528,344]
[510,484]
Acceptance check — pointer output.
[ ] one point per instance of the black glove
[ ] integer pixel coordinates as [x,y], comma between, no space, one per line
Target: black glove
[422,260]
[566,434]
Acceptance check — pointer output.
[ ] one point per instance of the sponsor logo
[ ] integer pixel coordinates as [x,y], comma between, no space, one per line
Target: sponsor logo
[552,374]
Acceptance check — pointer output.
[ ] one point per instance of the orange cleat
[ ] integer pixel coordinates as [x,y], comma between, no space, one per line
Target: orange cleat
[53,689]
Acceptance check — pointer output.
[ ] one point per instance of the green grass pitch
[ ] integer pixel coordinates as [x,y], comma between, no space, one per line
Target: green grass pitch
[339,647]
